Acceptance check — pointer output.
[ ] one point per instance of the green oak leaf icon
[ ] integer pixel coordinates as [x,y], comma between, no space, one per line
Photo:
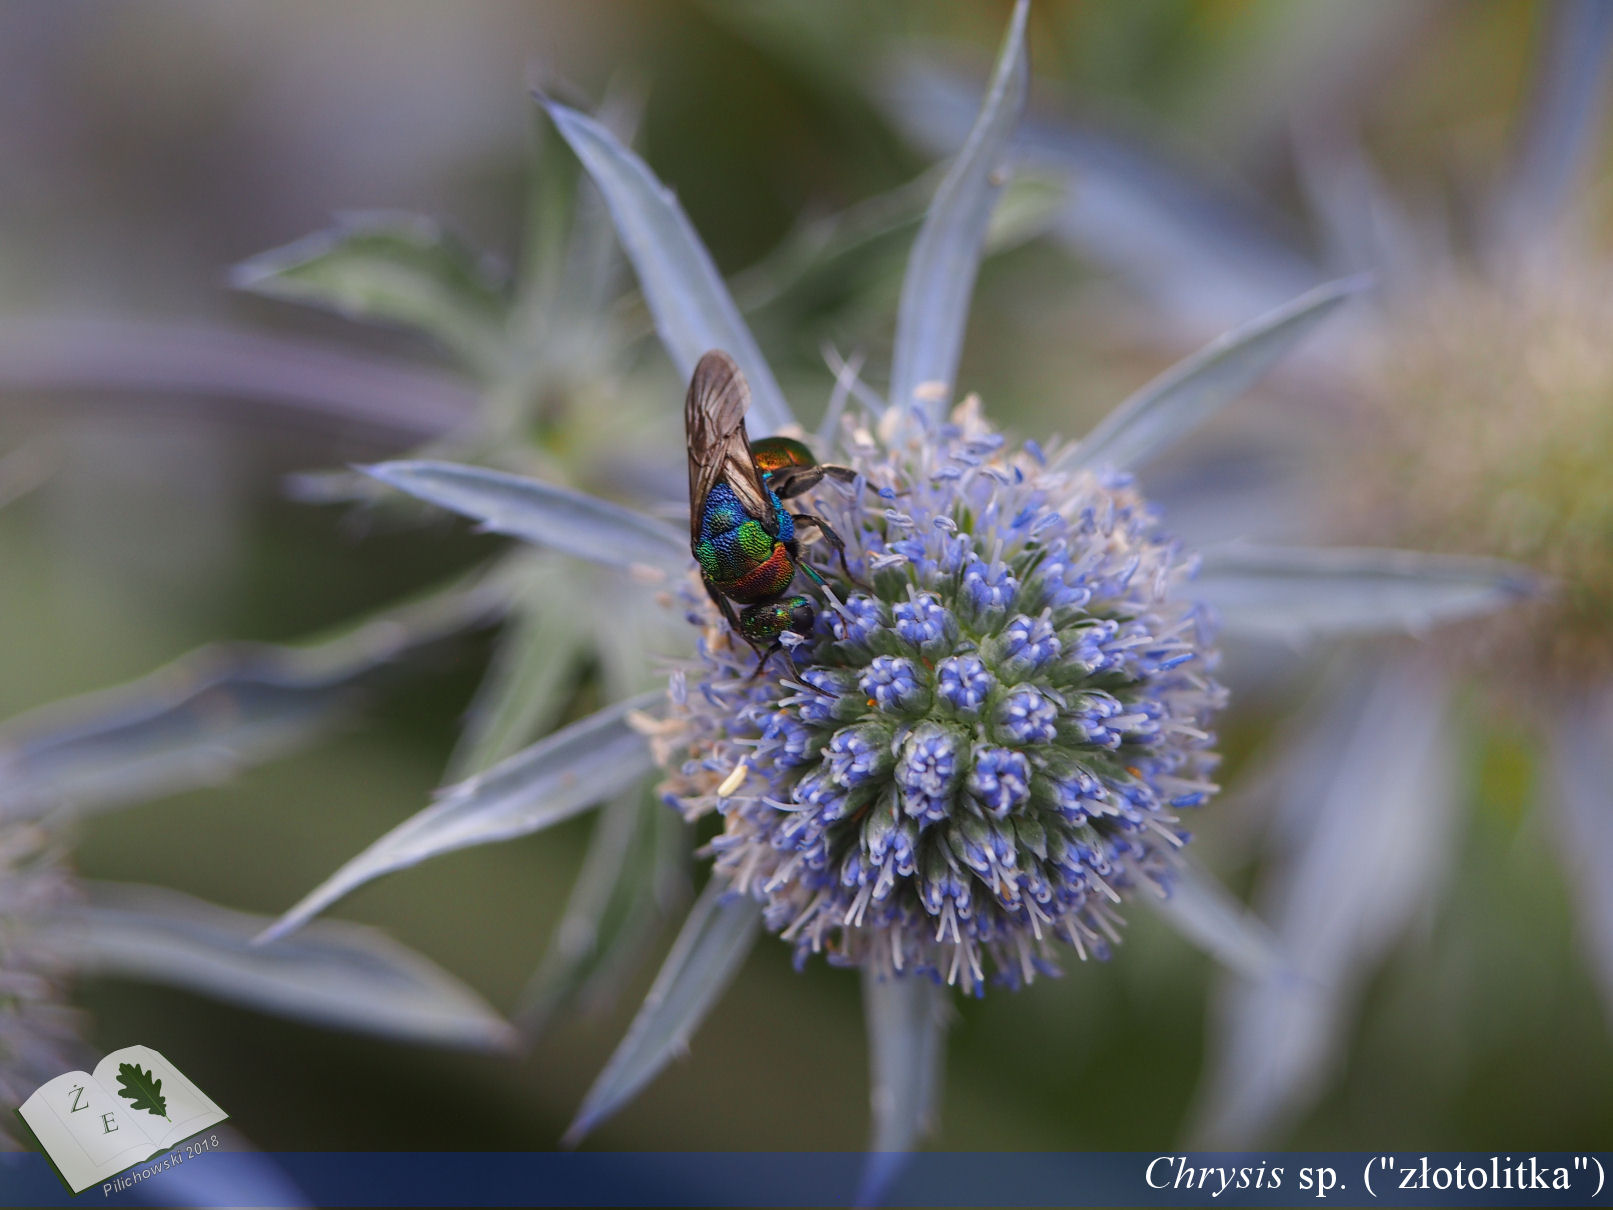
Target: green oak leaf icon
[142,1088]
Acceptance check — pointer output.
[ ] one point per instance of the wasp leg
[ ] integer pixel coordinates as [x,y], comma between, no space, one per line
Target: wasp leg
[834,540]
[793,480]
[794,670]
[761,664]
[732,618]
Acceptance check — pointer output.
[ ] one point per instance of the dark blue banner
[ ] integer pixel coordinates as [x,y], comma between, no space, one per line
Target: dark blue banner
[239,1178]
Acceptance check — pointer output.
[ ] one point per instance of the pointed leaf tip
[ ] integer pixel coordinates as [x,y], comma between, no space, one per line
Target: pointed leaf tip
[337,974]
[556,778]
[1190,392]
[712,945]
[576,523]
[1295,594]
[693,309]
[1204,255]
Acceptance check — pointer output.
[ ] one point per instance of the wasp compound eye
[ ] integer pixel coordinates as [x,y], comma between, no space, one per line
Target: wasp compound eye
[802,616]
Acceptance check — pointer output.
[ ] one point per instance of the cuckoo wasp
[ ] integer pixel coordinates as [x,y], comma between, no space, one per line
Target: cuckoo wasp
[739,530]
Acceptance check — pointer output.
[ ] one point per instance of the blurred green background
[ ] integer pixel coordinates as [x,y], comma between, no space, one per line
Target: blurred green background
[146,148]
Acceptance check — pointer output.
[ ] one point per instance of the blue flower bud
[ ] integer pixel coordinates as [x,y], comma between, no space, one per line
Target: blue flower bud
[989,588]
[1000,779]
[858,754]
[1027,716]
[963,682]
[1078,795]
[924,623]
[793,743]
[927,772]
[1028,645]
[1091,719]
[858,620]
[892,683]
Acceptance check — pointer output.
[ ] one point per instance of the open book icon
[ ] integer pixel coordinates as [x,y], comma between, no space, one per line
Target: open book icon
[133,1108]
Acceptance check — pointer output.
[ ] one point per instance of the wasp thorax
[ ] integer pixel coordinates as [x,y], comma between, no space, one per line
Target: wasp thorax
[986,739]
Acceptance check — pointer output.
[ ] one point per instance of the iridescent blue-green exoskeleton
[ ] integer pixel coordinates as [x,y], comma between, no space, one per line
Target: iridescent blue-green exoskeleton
[739,530]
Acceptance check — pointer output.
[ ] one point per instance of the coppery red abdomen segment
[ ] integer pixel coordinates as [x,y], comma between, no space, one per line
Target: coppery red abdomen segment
[764,581]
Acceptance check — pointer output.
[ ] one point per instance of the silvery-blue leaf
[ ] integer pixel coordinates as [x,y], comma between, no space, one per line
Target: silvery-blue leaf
[693,310]
[906,1020]
[721,928]
[335,973]
[1205,912]
[1566,112]
[1368,819]
[396,268]
[946,255]
[1294,594]
[568,772]
[556,517]
[1203,254]
[229,371]
[615,903]
[195,723]
[1582,798]
[1190,392]
[215,711]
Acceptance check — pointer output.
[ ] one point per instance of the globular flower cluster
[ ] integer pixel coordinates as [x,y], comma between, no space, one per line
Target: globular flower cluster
[38,1032]
[985,746]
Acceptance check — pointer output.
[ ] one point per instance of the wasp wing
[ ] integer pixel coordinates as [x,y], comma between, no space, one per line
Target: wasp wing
[714,425]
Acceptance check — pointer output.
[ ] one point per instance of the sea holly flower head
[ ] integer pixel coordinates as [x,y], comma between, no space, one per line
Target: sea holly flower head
[985,743]
[988,747]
